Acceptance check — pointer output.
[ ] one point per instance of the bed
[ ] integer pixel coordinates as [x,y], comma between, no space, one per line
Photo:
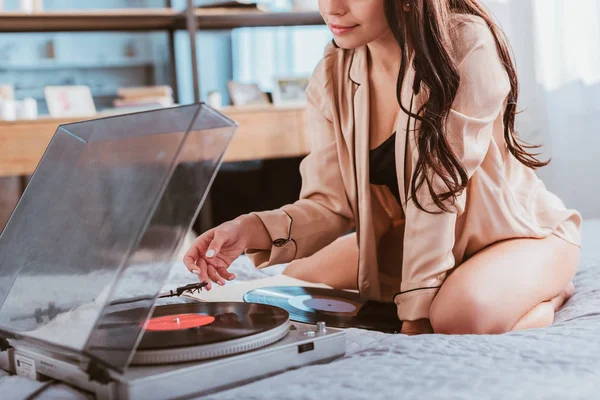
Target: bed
[558,362]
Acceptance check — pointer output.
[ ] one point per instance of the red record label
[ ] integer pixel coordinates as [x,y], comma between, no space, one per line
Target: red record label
[178,321]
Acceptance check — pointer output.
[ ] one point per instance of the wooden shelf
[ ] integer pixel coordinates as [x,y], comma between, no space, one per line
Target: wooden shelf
[91,20]
[78,64]
[223,19]
[148,20]
[263,133]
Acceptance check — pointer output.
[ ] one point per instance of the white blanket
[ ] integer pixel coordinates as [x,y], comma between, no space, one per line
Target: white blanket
[559,362]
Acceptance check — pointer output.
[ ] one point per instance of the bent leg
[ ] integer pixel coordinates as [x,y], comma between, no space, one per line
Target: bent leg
[335,265]
[497,287]
[542,315]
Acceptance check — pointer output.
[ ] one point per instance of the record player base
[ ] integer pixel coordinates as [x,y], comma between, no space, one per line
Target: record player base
[196,378]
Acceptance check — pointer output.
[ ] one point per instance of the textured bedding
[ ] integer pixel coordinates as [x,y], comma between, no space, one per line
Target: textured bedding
[559,362]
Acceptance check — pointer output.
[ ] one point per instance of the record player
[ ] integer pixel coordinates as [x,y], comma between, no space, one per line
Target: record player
[89,247]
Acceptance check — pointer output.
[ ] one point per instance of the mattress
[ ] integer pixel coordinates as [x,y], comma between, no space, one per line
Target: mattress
[558,362]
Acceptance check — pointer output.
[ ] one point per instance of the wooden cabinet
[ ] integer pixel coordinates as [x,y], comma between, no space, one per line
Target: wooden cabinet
[267,133]
[10,192]
[263,133]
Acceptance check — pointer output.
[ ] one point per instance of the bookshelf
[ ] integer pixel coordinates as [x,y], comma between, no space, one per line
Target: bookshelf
[263,133]
[161,19]
[224,19]
[147,19]
[92,20]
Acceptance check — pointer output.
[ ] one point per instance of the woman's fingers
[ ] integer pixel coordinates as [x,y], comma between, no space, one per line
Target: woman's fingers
[217,262]
[203,258]
[219,239]
[194,253]
[221,266]
[225,274]
[212,274]
[190,259]
[203,273]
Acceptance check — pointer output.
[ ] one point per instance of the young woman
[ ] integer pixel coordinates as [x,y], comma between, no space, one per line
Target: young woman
[411,114]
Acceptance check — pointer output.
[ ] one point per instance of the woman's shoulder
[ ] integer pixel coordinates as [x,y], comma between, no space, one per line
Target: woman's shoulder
[469,32]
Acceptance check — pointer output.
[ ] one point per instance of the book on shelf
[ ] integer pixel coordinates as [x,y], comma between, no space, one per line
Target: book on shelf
[155,96]
[142,91]
[158,101]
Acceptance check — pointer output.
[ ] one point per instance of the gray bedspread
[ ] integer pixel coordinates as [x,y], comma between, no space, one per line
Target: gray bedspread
[559,362]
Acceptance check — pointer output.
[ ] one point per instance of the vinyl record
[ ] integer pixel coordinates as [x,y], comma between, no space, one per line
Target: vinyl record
[197,324]
[189,332]
[222,322]
[337,308]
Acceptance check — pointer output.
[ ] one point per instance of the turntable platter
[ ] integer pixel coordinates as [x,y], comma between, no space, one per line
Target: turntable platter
[199,331]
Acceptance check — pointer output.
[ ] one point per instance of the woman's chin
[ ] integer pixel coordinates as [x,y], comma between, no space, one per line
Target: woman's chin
[347,44]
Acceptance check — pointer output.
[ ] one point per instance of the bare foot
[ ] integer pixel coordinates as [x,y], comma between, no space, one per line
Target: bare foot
[542,315]
[562,298]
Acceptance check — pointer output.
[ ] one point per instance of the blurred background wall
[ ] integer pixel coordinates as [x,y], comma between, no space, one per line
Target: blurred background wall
[556,45]
[557,49]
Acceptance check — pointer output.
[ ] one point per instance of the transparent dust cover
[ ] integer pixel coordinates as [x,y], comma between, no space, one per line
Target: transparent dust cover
[97,228]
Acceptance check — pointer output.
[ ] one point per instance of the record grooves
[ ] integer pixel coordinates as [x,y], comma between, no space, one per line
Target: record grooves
[230,328]
[230,321]
[197,331]
[337,308]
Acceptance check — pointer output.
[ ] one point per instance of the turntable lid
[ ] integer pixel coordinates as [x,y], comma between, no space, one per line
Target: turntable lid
[98,226]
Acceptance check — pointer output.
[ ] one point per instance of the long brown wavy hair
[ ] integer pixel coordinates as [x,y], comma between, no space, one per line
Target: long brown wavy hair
[425,31]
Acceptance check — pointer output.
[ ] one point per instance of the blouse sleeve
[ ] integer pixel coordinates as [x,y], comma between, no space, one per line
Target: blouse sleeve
[323,212]
[429,238]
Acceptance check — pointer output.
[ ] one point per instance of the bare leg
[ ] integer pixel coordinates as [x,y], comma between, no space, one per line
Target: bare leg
[335,265]
[496,289]
[542,315]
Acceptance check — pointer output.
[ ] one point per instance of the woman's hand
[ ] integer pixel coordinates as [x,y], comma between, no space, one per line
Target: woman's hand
[214,251]
[418,327]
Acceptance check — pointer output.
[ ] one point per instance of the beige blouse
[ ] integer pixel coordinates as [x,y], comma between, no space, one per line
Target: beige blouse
[405,254]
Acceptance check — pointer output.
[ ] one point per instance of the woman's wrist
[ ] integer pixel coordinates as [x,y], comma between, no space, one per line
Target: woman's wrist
[253,233]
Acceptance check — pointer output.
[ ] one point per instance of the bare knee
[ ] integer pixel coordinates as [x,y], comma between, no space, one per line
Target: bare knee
[297,269]
[465,311]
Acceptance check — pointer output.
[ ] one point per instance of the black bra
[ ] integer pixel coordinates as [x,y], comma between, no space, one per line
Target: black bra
[382,166]
[382,161]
